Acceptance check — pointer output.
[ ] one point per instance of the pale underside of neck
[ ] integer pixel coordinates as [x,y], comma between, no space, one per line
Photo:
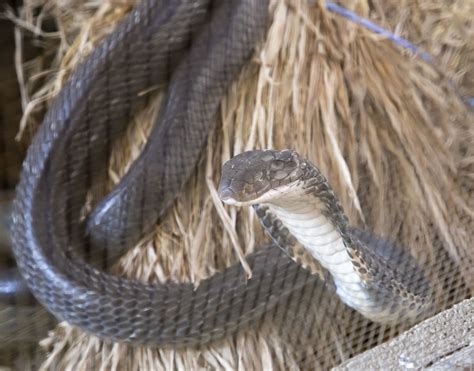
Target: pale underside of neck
[303,215]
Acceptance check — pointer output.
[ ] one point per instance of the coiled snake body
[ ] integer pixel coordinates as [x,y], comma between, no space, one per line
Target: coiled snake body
[73,146]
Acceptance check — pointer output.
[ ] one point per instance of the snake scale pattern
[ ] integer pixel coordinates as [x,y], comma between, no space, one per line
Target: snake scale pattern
[196,48]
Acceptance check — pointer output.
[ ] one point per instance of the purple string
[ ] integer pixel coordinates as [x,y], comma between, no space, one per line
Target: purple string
[404,43]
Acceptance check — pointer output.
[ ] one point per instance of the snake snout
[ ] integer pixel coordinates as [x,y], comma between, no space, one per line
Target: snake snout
[226,193]
[229,188]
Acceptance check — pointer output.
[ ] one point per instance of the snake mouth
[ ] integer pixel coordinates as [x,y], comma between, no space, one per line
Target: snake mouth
[240,196]
[229,196]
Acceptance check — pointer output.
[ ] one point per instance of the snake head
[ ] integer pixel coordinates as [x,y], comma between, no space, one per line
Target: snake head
[258,176]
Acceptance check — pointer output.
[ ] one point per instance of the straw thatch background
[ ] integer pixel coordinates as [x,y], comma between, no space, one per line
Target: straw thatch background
[389,131]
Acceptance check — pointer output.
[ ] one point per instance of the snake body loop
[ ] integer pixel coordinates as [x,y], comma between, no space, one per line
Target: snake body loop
[57,175]
[196,88]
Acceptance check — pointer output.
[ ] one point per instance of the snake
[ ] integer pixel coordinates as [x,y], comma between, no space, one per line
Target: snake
[196,49]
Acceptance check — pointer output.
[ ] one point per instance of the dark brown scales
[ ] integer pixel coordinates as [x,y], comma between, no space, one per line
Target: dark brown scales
[57,175]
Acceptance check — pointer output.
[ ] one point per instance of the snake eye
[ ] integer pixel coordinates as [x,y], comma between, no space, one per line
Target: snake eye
[276,165]
[280,175]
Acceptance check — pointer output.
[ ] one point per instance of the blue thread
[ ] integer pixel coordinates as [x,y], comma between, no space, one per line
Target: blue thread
[378,30]
[404,43]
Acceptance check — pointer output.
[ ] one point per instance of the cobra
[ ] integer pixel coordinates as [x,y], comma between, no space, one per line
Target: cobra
[300,211]
[71,147]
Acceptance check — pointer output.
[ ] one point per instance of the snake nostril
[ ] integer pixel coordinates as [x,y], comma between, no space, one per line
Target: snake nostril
[226,193]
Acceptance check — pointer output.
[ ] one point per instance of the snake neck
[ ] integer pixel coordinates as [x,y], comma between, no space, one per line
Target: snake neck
[311,221]
[312,214]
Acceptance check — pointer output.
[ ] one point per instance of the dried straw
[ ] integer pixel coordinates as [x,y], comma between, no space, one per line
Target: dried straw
[388,130]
